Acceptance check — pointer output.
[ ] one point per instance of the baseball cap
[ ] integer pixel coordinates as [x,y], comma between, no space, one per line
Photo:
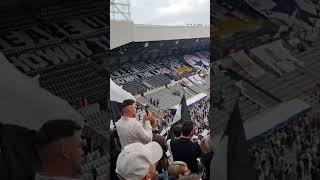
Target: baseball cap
[135,160]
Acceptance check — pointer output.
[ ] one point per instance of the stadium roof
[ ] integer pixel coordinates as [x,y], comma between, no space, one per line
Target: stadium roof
[124,32]
[273,117]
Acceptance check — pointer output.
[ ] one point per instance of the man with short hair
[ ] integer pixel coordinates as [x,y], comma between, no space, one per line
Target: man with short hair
[60,149]
[177,134]
[138,161]
[183,149]
[129,129]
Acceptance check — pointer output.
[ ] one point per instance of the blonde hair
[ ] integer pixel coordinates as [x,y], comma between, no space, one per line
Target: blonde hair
[151,118]
[176,168]
[205,145]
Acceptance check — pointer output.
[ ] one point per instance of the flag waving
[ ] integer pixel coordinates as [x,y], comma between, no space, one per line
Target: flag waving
[182,114]
[232,160]
[117,96]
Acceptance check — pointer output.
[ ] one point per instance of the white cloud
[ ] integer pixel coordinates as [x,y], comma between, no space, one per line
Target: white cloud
[170,12]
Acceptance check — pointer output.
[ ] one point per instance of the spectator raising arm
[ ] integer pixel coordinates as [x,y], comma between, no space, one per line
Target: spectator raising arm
[144,133]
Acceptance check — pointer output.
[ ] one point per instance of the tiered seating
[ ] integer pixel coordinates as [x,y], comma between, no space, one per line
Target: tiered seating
[99,121]
[94,161]
[256,95]
[78,79]
[296,84]
[134,86]
[158,80]
[202,88]
[68,9]
[196,89]
[182,90]
[231,94]
[216,12]
[96,119]
[165,96]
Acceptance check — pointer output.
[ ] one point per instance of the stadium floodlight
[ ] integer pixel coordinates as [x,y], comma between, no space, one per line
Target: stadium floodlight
[120,10]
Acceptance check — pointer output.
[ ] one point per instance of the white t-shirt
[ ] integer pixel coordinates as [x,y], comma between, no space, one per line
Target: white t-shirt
[169,152]
[131,131]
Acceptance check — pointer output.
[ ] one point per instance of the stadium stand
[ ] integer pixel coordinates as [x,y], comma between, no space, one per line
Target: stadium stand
[70,81]
[161,92]
[66,63]
[279,153]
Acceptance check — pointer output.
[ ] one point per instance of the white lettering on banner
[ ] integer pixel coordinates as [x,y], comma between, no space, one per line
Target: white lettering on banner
[101,42]
[82,47]
[54,54]
[148,74]
[19,64]
[41,58]
[141,75]
[115,74]
[130,78]
[134,70]
[119,81]
[12,40]
[122,72]
[33,61]
[67,27]
[53,32]
[72,52]
[150,66]
[37,35]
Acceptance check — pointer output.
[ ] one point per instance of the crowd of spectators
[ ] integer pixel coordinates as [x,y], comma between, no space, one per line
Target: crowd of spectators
[290,152]
[152,155]
[199,113]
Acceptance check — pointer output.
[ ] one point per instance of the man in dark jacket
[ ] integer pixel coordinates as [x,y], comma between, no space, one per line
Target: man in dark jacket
[183,149]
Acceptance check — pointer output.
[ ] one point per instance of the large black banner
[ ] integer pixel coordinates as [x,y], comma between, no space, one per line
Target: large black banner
[38,47]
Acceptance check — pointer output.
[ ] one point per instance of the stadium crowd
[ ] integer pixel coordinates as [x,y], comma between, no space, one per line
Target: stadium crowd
[145,154]
[291,152]
[199,112]
[200,115]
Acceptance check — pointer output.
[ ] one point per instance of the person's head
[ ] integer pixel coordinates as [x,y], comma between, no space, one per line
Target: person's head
[178,169]
[190,177]
[153,121]
[177,131]
[128,108]
[205,145]
[138,161]
[187,128]
[150,117]
[60,148]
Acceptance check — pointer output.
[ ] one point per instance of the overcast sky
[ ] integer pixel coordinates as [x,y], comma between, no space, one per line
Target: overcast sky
[170,12]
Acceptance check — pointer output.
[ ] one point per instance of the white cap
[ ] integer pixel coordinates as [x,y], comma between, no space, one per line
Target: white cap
[135,160]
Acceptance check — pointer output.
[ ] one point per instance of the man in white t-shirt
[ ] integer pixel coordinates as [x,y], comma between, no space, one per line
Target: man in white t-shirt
[129,129]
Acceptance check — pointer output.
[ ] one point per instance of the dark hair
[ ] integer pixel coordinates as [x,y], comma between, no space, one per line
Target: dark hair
[187,128]
[177,131]
[127,102]
[56,129]
[190,177]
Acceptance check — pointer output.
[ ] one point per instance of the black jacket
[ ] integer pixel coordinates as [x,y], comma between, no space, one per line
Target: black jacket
[162,164]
